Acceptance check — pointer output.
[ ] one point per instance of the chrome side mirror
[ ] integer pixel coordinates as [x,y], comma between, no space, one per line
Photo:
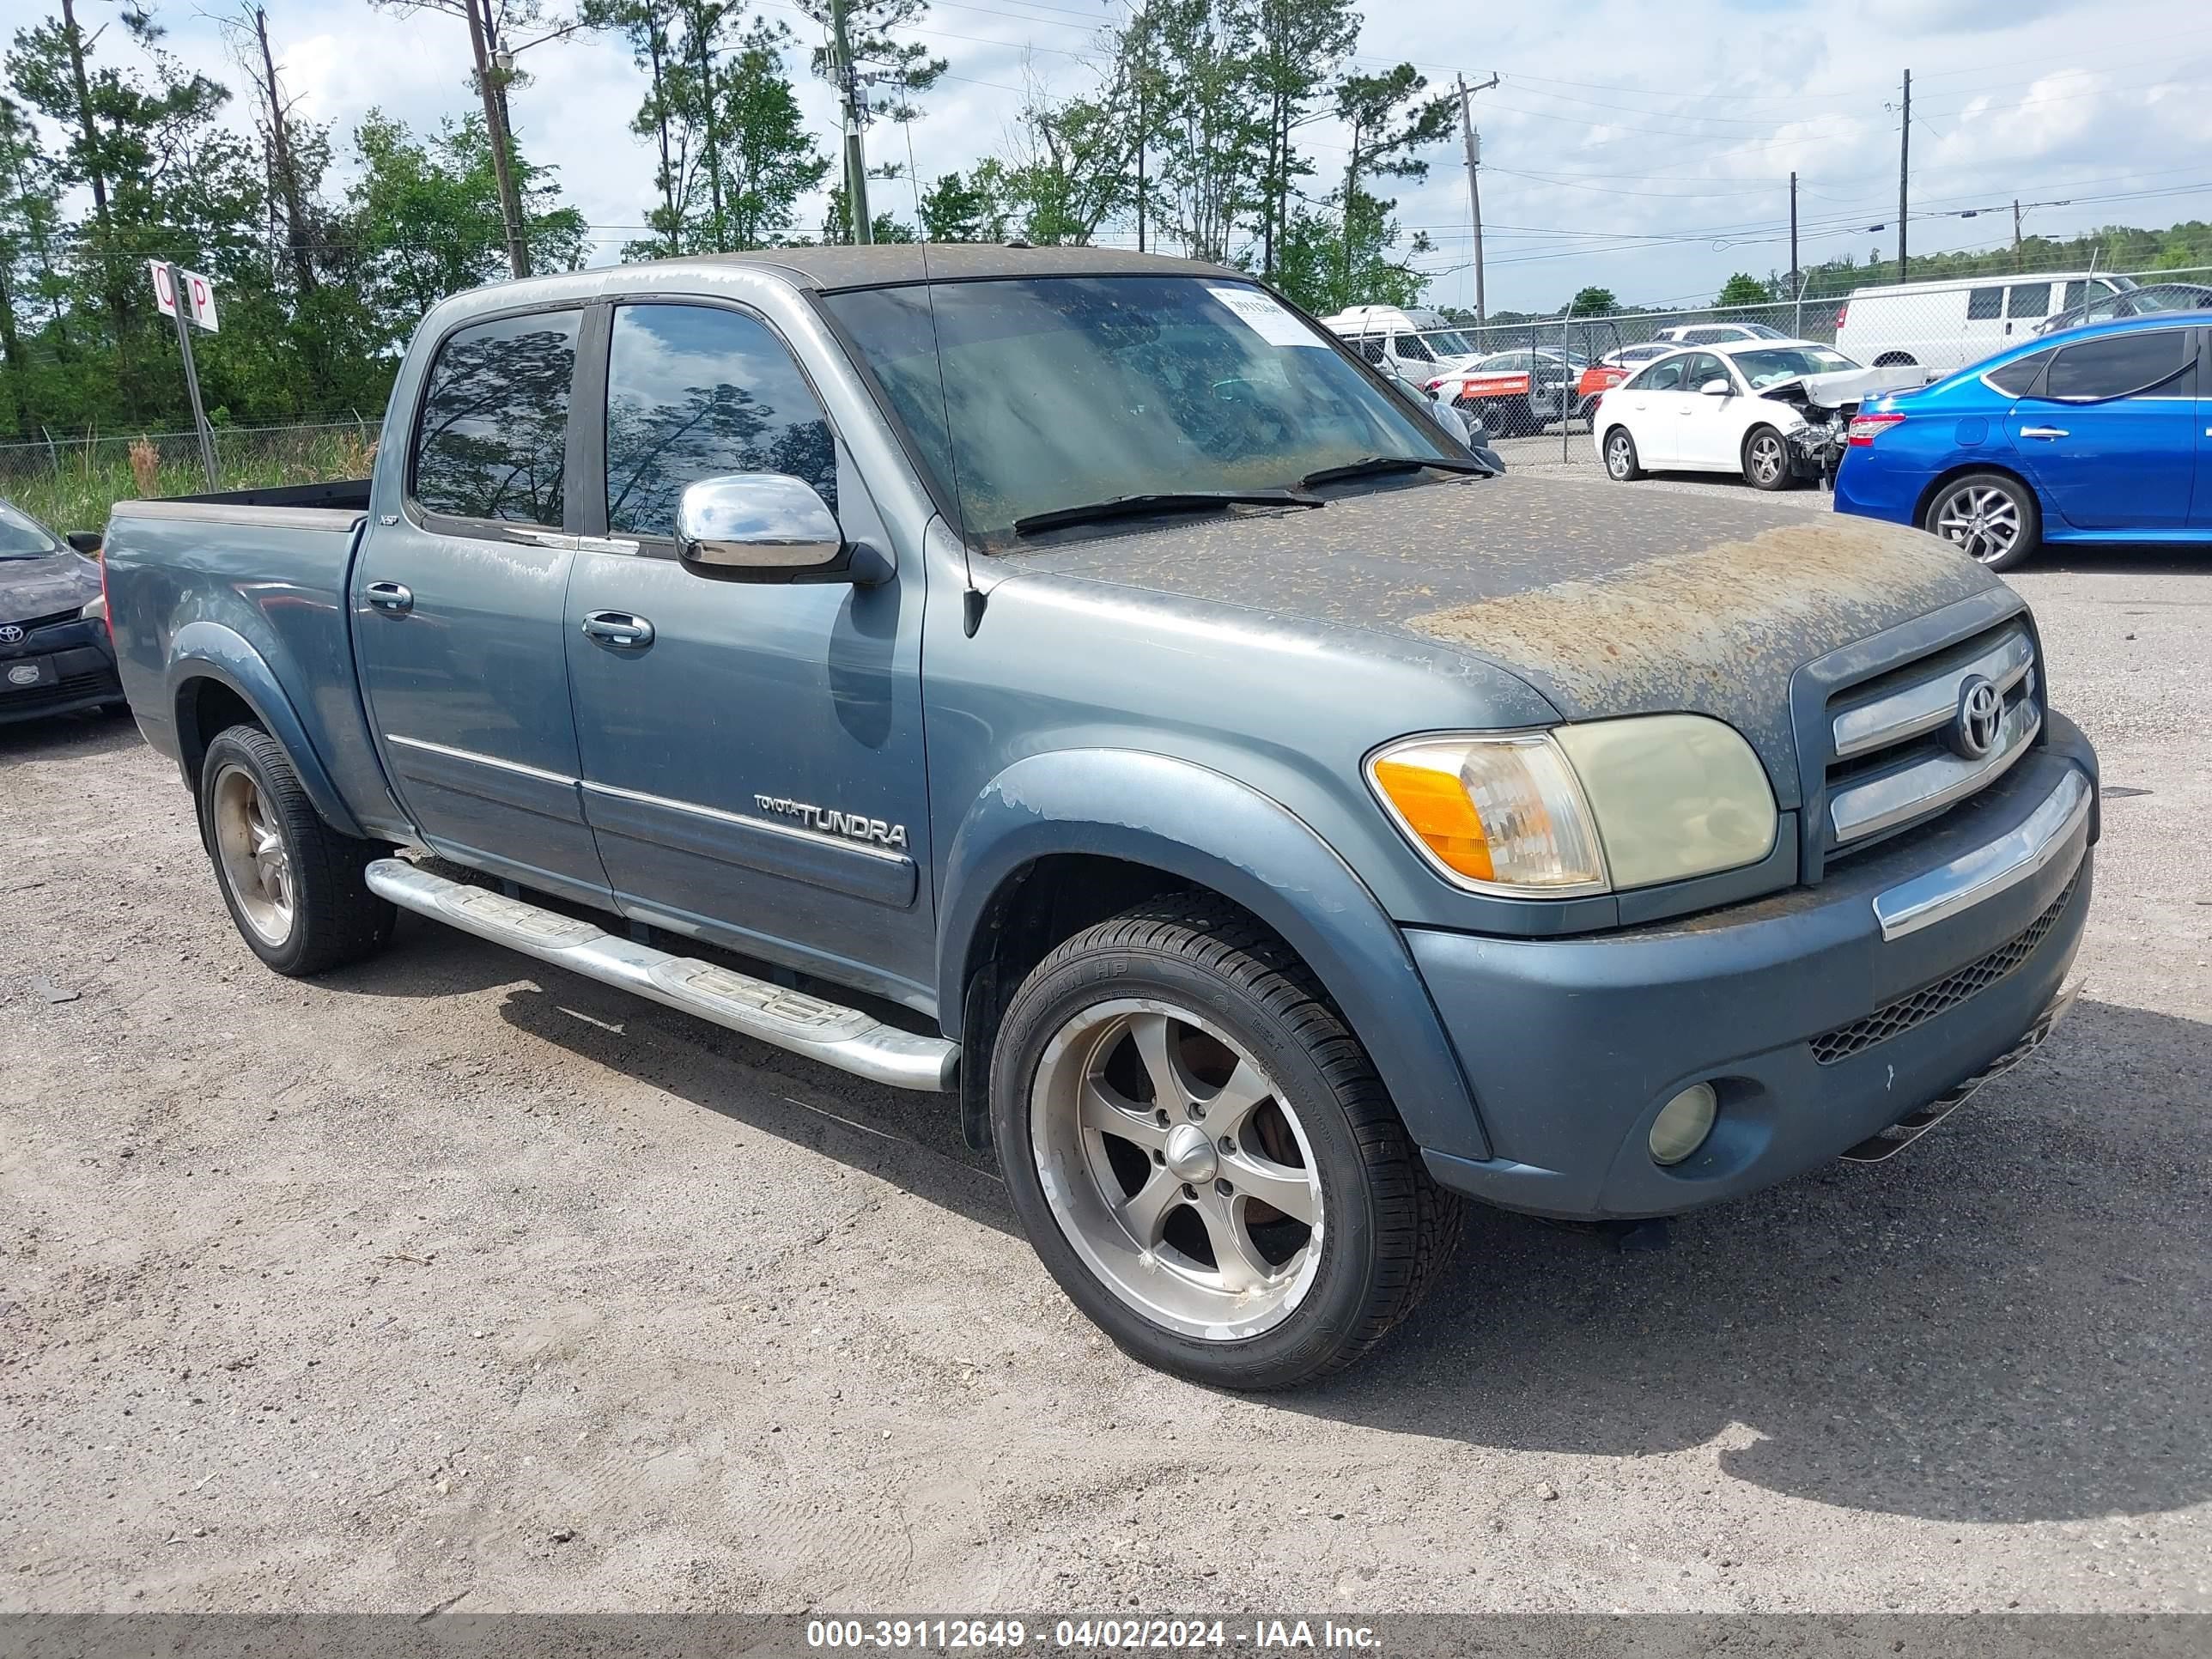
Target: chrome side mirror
[758,526]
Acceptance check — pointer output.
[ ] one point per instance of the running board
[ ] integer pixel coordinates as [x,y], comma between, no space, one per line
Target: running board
[843,1038]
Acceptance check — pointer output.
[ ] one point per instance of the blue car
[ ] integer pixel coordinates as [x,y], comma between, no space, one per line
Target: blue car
[2097,434]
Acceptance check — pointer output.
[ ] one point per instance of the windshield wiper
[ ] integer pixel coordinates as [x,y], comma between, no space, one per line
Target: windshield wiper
[1170,500]
[1374,466]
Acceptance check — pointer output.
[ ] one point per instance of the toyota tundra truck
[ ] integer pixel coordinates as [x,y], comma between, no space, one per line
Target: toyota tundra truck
[1071,682]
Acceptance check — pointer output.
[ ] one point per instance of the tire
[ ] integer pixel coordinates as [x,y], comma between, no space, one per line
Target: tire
[1621,465]
[1156,1229]
[294,887]
[1766,460]
[1991,516]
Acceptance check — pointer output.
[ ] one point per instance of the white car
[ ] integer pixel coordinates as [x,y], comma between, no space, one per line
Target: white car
[1715,333]
[1751,407]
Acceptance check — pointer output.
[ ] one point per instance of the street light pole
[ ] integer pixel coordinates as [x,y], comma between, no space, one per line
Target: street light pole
[510,206]
[1473,190]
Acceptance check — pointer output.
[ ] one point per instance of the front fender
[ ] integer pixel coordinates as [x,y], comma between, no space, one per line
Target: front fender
[1187,821]
[209,650]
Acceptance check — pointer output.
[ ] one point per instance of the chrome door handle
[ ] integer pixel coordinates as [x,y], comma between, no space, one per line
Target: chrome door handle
[391,598]
[618,627]
[2043,432]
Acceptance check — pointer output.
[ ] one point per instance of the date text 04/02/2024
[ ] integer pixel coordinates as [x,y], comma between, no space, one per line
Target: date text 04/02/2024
[1117,1635]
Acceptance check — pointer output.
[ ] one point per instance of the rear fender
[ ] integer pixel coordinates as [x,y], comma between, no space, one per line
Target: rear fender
[1209,829]
[207,650]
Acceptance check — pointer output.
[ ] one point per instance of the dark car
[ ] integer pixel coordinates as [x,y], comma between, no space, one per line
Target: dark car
[55,653]
[2132,302]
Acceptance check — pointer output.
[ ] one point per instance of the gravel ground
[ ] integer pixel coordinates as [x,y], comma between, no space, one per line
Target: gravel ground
[448,1281]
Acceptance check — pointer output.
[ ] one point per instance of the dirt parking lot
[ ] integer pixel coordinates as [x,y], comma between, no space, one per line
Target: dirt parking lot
[453,1282]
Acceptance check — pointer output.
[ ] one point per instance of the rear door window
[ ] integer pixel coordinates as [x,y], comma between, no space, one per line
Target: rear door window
[1701,368]
[2028,300]
[2120,366]
[492,441]
[698,392]
[2017,379]
[1661,377]
[1983,303]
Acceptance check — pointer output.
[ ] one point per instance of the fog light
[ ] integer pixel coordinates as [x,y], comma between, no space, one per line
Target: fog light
[1683,1123]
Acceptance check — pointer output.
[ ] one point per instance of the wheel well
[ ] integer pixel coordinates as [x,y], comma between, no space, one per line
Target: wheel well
[206,707]
[1945,479]
[1038,908]
[1897,360]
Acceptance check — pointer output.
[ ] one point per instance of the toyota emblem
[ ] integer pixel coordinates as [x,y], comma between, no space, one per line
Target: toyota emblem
[11,634]
[1981,717]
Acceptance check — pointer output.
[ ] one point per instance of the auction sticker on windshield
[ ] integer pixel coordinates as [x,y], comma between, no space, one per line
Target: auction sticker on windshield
[1260,313]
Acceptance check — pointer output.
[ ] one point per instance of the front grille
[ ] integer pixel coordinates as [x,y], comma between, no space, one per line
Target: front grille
[1894,1018]
[1890,762]
[26,623]
[68,689]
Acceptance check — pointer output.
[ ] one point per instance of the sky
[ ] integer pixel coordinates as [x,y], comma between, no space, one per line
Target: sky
[1646,148]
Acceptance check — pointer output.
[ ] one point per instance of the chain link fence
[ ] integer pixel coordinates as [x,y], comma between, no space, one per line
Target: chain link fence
[69,482]
[1542,367]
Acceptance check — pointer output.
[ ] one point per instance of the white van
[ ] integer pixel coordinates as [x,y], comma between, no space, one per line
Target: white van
[1943,325]
[1414,344]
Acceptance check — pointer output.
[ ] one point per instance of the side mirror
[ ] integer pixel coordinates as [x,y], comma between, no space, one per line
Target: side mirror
[767,527]
[86,542]
[1455,424]
[1715,388]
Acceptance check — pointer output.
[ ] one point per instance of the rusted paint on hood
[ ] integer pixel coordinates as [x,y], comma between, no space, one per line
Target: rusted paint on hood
[1718,631]
[1608,600]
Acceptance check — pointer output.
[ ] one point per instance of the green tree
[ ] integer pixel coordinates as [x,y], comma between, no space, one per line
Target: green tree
[1299,45]
[1592,301]
[30,209]
[1207,116]
[1743,289]
[1390,119]
[768,159]
[649,28]
[872,28]
[424,219]
[956,209]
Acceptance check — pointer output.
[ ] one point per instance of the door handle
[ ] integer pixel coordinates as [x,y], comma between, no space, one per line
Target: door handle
[2043,432]
[391,598]
[618,627]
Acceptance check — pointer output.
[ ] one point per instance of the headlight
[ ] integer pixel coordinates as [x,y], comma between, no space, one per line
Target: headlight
[95,609]
[1581,809]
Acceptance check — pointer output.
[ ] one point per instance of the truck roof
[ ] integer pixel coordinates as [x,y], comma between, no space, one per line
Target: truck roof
[835,266]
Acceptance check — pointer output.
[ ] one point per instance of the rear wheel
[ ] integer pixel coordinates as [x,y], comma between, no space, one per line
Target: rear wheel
[1766,460]
[1620,462]
[294,886]
[1991,519]
[1202,1154]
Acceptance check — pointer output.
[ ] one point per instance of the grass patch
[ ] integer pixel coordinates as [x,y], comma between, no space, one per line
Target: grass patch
[93,477]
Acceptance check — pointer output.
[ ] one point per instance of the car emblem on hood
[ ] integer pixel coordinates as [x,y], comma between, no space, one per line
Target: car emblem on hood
[1981,717]
[10,633]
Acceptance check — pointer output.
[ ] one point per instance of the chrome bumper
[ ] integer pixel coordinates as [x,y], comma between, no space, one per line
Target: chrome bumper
[2057,826]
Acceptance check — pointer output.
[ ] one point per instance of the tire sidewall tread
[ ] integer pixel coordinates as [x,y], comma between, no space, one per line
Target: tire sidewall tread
[1388,1226]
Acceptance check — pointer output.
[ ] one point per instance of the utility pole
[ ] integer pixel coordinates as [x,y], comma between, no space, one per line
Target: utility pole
[1796,288]
[1904,154]
[2015,233]
[1473,190]
[510,207]
[1141,161]
[848,97]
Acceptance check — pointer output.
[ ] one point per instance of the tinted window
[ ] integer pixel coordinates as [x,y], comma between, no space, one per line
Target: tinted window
[1371,349]
[1661,377]
[1409,345]
[2018,378]
[2074,293]
[23,536]
[694,393]
[2115,366]
[494,433]
[2028,300]
[1983,303]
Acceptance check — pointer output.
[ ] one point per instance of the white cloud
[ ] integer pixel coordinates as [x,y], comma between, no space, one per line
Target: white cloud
[1644,147]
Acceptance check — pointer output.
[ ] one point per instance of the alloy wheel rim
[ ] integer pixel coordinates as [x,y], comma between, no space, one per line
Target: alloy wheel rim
[1176,1169]
[1617,455]
[1766,460]
[1980,520]
[257,866]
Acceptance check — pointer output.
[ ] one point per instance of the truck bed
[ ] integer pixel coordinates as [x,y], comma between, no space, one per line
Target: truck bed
[238,579]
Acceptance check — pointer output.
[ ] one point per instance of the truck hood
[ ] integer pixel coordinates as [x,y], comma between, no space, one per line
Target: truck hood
[1607,601]
[44,584]
[1849,385]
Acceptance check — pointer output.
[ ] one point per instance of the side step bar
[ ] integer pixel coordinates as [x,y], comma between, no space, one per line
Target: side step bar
[843,1038]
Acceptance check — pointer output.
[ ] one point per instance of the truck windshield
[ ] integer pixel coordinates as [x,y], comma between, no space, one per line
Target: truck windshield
[22,537]
[1032,395]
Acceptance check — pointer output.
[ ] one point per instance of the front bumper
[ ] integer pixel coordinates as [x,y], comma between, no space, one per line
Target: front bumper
[1816,1030]
[76,669]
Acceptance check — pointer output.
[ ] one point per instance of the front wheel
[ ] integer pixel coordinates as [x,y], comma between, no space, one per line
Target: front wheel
[1766,460]
[1202,1154]
[1620,462]
[1991,519]
[295,886]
